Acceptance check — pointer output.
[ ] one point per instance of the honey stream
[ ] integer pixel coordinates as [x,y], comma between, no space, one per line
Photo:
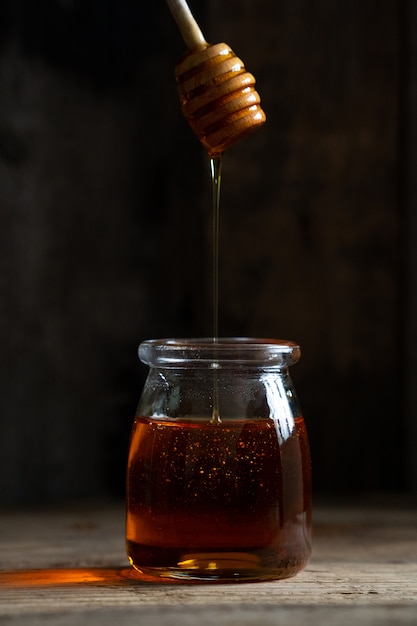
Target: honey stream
[216,177]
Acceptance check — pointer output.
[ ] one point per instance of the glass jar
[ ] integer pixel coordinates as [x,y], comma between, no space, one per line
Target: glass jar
[218,479]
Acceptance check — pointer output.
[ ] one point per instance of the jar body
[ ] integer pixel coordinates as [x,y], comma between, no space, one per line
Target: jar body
[218,480]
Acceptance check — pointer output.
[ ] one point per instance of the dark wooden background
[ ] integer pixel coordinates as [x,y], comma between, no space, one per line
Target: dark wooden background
[105,226]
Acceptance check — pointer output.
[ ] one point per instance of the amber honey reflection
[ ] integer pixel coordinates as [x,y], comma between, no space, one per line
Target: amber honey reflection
[68,577]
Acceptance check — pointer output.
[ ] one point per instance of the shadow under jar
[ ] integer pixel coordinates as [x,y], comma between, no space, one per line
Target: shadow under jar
[218,478]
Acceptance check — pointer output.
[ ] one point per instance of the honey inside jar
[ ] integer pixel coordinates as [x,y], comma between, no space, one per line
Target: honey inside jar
[225,501]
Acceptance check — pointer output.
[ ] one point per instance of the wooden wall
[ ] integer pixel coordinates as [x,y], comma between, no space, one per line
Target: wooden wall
[105,228]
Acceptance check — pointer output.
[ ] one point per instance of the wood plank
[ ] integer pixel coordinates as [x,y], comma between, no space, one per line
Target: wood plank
[70,565]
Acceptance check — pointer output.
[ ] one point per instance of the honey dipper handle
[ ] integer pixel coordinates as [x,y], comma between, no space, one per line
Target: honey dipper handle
[189,28]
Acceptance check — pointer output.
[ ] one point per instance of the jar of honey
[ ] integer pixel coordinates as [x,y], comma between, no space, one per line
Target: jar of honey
[218,478]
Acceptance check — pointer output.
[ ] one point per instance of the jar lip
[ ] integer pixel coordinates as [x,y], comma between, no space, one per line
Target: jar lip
[224,352]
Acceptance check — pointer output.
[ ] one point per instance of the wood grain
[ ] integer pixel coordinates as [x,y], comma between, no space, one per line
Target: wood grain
[66,567]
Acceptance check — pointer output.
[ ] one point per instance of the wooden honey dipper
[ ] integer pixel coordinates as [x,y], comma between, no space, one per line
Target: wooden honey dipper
[217,94]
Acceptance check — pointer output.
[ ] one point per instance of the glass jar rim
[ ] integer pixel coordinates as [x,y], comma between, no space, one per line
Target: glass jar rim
[222,352]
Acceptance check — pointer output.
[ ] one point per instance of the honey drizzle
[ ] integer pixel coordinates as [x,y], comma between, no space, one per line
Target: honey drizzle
[216,177]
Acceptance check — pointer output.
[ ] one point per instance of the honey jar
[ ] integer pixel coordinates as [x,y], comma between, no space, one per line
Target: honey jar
[218,478]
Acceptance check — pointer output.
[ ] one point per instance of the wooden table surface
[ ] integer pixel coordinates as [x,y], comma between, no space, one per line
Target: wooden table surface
[68,566]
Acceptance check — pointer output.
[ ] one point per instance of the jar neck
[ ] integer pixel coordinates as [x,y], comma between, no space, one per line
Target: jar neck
[223,353]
